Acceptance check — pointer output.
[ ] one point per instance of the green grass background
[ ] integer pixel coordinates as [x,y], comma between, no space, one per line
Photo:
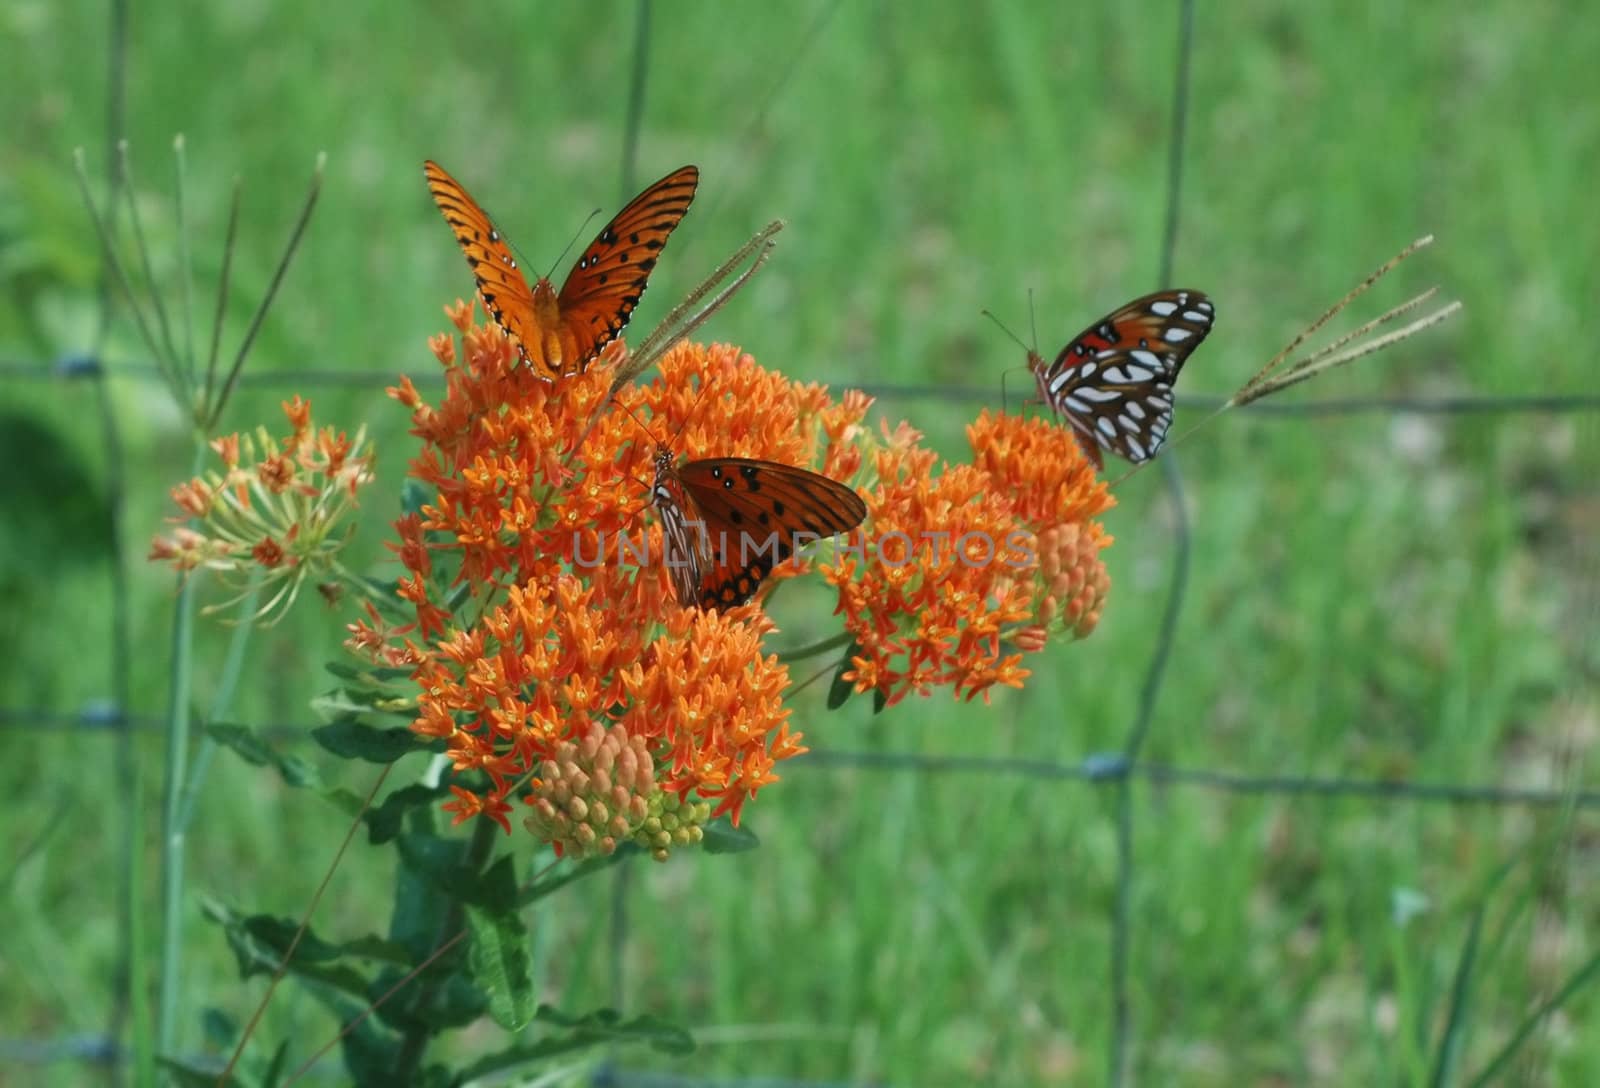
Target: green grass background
[1371,595]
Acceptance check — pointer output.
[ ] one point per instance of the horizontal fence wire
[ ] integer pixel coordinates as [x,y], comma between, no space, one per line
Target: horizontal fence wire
[374,381]
[1095,768]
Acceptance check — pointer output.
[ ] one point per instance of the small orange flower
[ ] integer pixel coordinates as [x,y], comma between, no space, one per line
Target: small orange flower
[972,559]
[280,509]
[269,553]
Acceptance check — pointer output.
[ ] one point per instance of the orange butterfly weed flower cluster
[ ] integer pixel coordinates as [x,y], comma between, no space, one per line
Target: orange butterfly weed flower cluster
[552,658]
[277,515]
[1004,550]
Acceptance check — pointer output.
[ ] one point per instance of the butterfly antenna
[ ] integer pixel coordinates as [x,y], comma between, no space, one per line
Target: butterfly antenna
[574,240]
[1033,324]
[635,417]
[705,384]
[1002,326]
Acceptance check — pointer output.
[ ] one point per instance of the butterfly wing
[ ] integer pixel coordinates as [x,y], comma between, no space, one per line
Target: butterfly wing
[755,515]
[1113,382]
[607,282]
[506,294]
[682,538]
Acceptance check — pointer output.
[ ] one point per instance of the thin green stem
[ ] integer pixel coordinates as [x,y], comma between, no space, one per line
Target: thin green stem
[1497,1066]
[103,227]
[816,649]
[272,292]
[675,326]
[185,265]
[208,409]
[300,932]
[121,649]
[180,679]
[144,1056]
[221,702]
[167,352]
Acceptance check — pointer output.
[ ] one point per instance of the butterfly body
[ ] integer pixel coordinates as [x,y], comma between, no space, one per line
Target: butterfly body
[559,333]
[1113,382]
[726,522]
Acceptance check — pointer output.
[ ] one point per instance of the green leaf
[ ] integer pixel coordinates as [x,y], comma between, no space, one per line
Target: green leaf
[596,1028]
[343,800]
[344,703]
[368,675]
[439,998]
[436,858]
[386,821]
[368,1047]
[259,943]
[442,863]
[879,700]
[723,838]
[499,958]
[1452,1039]
[249,746]
[275,1068]
[219,1030]
[355,740]
[841,690]
[199,1073]
[420,904]
[663,1035]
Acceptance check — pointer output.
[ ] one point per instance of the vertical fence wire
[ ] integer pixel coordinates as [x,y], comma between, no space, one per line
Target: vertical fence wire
[118,635]
[1122,903]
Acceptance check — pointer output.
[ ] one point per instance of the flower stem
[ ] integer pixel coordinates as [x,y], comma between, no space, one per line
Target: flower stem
[816,649]
[221,701]
[272,292]
[172,832]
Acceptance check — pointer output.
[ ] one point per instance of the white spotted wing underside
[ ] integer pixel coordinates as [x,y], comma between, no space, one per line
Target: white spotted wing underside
[1114,381]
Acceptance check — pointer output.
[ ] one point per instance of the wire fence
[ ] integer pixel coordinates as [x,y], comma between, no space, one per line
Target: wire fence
[376,379]
[1118,770]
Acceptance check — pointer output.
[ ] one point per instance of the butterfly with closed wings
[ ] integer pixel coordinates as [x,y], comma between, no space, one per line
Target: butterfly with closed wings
[726,522]
[1113,382]
[560,333]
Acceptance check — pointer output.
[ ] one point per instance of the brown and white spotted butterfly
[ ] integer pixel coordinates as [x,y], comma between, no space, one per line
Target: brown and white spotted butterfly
[559,334]
[1113,382]
[727,521]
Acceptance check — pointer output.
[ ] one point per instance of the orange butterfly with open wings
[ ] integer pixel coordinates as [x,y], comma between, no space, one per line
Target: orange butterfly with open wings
[561,333]
[727,521]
